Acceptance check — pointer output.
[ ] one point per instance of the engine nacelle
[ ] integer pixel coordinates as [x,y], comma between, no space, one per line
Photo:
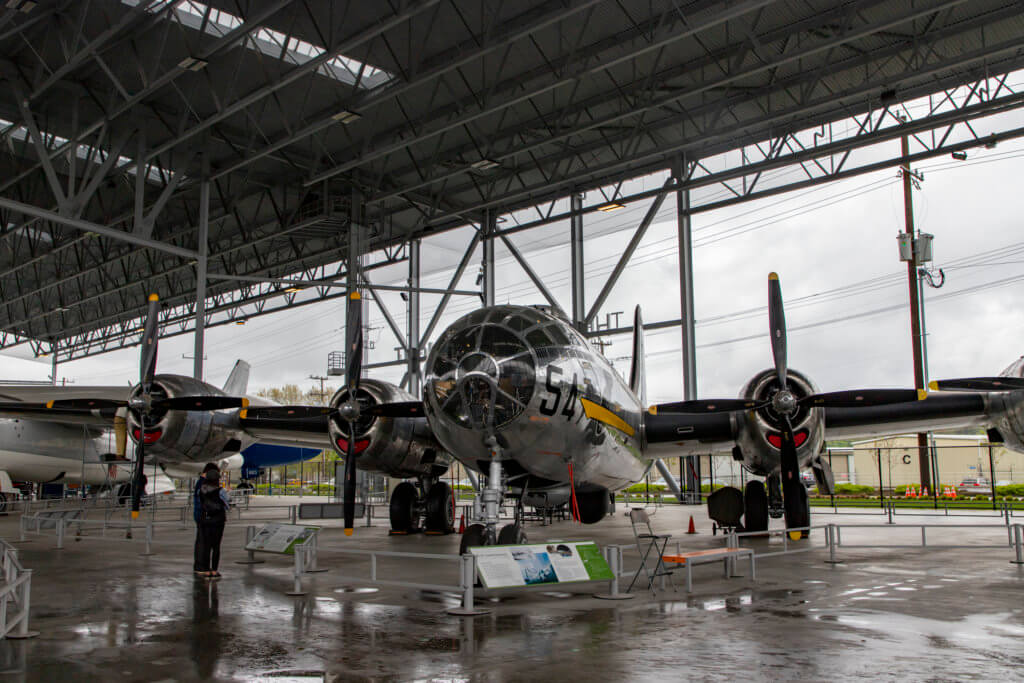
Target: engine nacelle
[401,447]
[1007,410]
[758,432]
[184,435]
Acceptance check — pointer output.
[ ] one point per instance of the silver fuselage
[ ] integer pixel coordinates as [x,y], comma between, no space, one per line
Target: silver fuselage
[520,373]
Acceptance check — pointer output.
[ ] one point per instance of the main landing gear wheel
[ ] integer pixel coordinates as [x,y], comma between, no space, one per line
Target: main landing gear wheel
[124,494]
[755,507]
[511,534]
[475,535]
[403,501]
[440,508]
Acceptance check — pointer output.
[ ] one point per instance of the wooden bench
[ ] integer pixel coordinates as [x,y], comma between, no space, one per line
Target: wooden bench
[704,556]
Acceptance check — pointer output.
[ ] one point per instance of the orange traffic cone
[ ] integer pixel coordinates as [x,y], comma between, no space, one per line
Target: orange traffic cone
[462,523]
[924,491]
[692,529]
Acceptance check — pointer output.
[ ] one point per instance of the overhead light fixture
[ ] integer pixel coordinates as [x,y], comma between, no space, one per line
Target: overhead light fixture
[23,5]
[292,290]
[61,308]
[611,206]
[959,155]
[241,321]
[346,116]
[485,164]
[192,64]
[991,144]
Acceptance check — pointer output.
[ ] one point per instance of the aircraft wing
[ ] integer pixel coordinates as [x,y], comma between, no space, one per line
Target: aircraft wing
[303,431]
[29,402]
[716,431]
[938,411]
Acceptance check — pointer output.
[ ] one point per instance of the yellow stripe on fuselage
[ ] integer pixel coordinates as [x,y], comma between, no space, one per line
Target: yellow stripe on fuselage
[601,414]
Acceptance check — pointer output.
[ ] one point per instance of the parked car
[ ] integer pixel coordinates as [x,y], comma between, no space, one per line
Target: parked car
[974,486]
[808,480]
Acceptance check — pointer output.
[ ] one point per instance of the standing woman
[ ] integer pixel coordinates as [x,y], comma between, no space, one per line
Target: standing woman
[213,509]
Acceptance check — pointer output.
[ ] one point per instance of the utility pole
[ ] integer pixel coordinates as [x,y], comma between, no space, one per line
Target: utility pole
[915,302]
[323,395]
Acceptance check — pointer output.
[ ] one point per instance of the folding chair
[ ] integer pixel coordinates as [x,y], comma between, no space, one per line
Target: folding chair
[651,547]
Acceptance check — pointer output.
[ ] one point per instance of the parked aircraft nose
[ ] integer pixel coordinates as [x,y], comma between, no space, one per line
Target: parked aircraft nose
[481,376]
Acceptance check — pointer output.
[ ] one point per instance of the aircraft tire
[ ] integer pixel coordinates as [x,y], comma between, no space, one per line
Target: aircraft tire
[401,509]
[440,508]
[511,534]
[594,506]
[755,506]
[124,494]
[3,503]
[475,535]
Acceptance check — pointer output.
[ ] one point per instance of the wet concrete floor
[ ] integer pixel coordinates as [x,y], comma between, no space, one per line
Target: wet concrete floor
[105,612]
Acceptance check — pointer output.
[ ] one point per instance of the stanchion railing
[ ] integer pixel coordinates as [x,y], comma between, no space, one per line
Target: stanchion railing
[14,594]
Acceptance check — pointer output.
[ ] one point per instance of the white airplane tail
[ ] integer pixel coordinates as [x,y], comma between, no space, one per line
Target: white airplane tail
[637,375]
[238,380]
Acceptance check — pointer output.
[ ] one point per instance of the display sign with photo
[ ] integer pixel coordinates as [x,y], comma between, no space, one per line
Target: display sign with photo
[508,566]
[281,538]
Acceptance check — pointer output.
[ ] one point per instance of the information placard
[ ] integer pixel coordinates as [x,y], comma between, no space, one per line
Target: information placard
[510,566]
[281,538]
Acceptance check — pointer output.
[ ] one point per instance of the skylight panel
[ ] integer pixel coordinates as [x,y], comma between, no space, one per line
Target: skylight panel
[218,23]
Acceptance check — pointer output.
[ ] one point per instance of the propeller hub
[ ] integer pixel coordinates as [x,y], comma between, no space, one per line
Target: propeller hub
[784,402]
[349,411]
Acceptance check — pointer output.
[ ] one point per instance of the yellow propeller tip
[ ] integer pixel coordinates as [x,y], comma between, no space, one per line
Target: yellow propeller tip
[921,394]
[154,297]
[653,410]
[348,532]
[135,514]
[245,403]
[49,404]
[934,386]
[773,276]
[242,413]
[795,535]
[355,295]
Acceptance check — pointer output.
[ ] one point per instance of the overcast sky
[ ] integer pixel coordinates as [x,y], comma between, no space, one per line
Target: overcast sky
[834,248]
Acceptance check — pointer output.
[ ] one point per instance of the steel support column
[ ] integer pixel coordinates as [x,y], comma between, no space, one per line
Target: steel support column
[354,268]
[488,229]
[413,355]
[579,305]
[53,366]
[201,266]
[685,237]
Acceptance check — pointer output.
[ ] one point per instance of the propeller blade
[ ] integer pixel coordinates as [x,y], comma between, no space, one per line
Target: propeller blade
[777,323]
[286,412]
[140,458]
[86,404]
[863,397]
[979,384]
[147,362]
[397,409]
[354,333]
[794,503]
[350,481]
[723,405]
[202,403]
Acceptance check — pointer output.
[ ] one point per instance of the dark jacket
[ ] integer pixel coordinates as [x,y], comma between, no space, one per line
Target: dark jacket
[211,505]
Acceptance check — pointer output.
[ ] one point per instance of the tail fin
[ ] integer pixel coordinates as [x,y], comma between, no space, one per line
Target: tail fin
[238,380]
[637,376]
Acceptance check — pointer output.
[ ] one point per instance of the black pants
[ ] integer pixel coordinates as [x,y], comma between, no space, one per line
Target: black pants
[210,534]
[195,552]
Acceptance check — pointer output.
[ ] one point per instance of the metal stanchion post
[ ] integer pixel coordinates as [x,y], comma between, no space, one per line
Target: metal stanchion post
[613,556]
[26,590]
[60,534]
[369,511]
[294,513]
[149,538]
[830,538]
[250,533]
[312,547]
[1018,534]
[892,507]
[300,553]
[467,578]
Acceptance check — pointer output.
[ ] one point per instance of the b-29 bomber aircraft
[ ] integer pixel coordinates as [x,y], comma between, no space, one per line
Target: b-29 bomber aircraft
[518,394]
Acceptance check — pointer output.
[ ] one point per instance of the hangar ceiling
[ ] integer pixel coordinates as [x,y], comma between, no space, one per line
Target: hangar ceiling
[123,119]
